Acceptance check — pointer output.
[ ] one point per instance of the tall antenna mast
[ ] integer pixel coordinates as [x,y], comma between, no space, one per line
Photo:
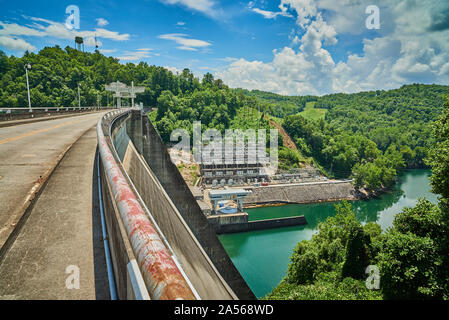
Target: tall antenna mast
[96,44]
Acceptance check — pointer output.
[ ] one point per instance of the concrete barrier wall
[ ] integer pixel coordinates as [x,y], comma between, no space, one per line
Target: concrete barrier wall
[16,114]
[135,242]
[148,143]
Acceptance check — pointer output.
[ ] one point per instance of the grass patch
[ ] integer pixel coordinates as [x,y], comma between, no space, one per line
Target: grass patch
[312,113]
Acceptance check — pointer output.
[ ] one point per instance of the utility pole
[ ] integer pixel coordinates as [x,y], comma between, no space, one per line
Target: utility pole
[28,67]
[132,94]
[79,97]
[119,100]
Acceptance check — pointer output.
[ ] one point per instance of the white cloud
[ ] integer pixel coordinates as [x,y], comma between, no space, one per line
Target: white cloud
[204,6]
[46,28]
[174,70]
[185,42]
[185,48]
[102,22]
[270,14]
[139,54]
[15,44]
[348,16]
[180,23]
[308,71]
[228,59]
[108,50]
[107,34]
[412,46]
[13,29]
[305,10]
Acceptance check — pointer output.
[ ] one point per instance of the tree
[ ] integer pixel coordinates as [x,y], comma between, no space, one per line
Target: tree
[331,264]
[165,127]
[208,79]
[165,102]
[438,157]
[3,63]
[367,175]
[356,259]
[328,249]
[408,266]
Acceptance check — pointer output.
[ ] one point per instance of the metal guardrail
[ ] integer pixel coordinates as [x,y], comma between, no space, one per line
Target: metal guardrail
[160,273]
[57,109]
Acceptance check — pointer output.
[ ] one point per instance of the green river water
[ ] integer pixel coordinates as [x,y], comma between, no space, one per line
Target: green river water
[262,257]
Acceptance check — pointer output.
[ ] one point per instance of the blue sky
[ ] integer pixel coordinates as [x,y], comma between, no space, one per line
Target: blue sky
[284,46]
[238,32]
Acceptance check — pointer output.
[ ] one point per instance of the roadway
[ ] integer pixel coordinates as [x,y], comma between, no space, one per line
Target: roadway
[49,217]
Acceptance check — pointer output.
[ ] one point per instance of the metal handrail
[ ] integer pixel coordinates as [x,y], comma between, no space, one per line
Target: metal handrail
[54,108]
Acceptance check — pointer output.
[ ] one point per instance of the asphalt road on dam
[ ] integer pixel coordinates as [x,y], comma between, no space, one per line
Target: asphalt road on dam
[27,152]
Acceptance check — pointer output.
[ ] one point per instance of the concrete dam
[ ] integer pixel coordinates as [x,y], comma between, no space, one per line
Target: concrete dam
[97,191]
[154,221]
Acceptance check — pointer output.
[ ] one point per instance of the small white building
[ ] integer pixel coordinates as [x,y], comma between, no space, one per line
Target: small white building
[235,195]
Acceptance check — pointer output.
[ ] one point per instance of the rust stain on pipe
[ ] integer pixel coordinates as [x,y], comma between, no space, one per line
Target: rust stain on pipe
[163,278]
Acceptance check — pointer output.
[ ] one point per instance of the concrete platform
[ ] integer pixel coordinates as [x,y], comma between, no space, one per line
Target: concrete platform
[63,229]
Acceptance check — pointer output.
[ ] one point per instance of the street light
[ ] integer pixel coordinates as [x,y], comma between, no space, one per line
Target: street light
[28,67]
[79,97]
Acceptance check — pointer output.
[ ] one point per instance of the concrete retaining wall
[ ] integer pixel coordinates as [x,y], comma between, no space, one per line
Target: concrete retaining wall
[301,193]
[217,220]
[259,225]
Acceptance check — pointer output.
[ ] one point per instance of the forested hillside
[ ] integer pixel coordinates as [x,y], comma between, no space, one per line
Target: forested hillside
[56,73]
[411,256]
[369,135]
[180,99]
[277,105]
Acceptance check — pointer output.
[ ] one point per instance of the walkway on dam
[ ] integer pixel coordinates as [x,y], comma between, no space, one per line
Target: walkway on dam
[61,227]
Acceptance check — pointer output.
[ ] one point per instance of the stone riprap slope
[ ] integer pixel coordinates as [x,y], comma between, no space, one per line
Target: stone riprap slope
[302,193]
